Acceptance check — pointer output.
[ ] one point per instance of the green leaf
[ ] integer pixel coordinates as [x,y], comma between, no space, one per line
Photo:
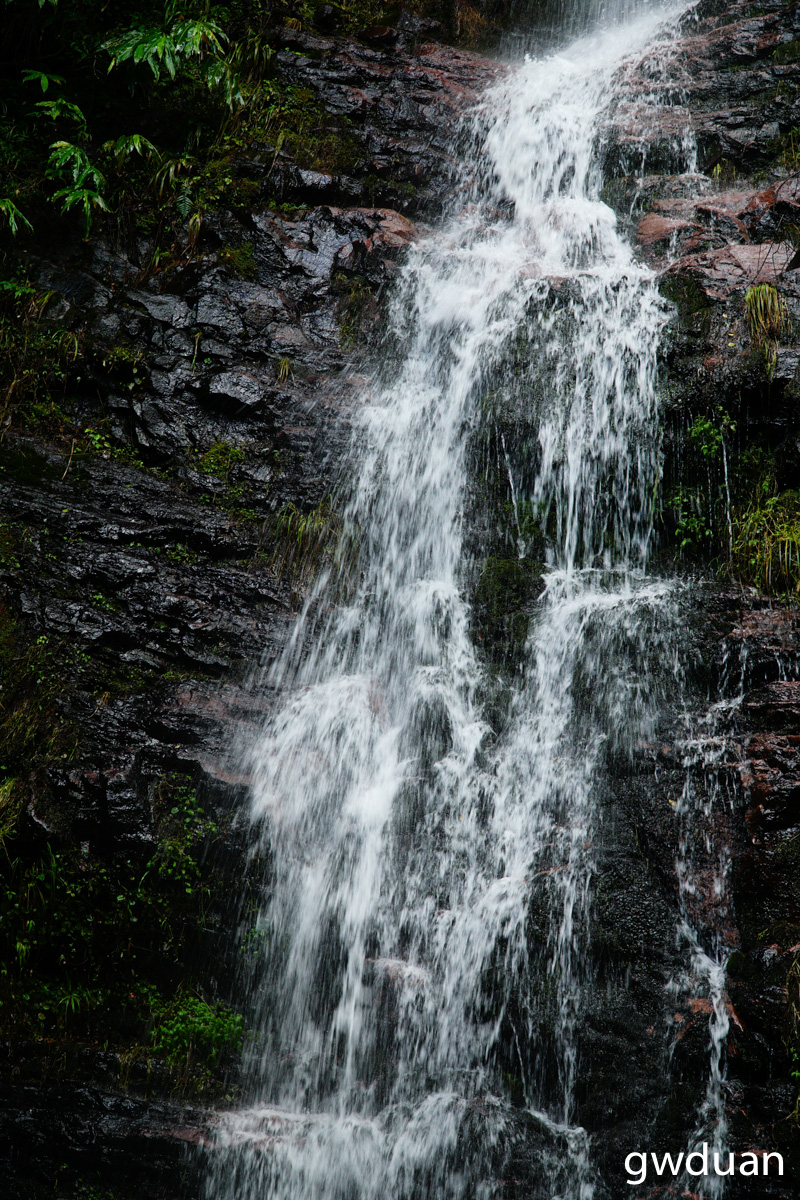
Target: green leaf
[42,78]
[172,49]
[63,109]
[134,143]
[13,215]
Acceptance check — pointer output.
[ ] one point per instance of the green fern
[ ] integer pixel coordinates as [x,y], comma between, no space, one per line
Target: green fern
[84,188]
[169,50]
[133,143]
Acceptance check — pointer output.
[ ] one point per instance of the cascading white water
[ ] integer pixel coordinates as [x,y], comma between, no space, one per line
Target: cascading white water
[424,861]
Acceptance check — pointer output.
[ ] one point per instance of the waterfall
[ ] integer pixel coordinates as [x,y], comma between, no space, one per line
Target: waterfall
[429,817]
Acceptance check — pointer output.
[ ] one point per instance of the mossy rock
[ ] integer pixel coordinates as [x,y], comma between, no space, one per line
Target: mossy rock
[502,602]
[692,304]
[789,52]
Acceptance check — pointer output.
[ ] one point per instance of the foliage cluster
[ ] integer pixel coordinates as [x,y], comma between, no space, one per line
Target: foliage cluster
[240,259]
[220,459]
[188,1029]
[356,304]
[175,71]
[731,508]
[765,548]
[766,314]
[735,500]
[39,359]
[185,87]
[33,727]
[45,366]
[90,943]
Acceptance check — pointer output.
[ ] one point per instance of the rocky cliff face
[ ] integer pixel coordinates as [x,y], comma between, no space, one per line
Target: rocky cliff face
[722,239]
[158,528]
[157,535]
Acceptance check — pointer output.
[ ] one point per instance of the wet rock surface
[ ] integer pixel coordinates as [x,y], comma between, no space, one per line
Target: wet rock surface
[720,238]
[131,1147]
[731,226]
[144,566]
[646,1041]
[402,109]
[149,554]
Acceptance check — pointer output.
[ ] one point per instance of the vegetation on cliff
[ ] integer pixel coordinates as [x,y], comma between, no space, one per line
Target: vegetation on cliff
[734,494]
[136,115]
[127,126]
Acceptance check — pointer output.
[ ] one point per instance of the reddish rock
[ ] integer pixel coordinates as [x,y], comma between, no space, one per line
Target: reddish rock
[734,268]
[655,228]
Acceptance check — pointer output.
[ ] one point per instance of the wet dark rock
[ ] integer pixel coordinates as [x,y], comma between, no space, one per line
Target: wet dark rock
[401,105]
[715,234]
[643,1062]
[212,396]
[96,1138]
[733,75]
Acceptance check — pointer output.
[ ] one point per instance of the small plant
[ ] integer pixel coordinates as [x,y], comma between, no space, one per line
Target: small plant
[304,539]
[708,436]
[193,1036]
[182,826]
[692,528]
[765,310]
[359,294]
[125,365]
[472,25]
[220,459]
[766,544]
[189,1028]
[99,443]
[790,155]
[766,313]
[240,258]
[101,601]
[724,172]
[11,804]
[787,52]
[85,184]
[37,361]
[13,215]
[181,553]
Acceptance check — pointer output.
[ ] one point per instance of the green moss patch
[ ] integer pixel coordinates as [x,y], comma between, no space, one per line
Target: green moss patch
[503,596]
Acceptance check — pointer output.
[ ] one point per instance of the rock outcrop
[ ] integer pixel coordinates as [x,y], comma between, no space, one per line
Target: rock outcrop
[150,563]
[723,238]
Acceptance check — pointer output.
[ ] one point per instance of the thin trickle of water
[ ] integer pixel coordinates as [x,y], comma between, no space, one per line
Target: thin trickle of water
[706,927]
[431,865]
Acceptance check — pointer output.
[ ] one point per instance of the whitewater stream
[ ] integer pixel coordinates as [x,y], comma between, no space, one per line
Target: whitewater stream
[423,949]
